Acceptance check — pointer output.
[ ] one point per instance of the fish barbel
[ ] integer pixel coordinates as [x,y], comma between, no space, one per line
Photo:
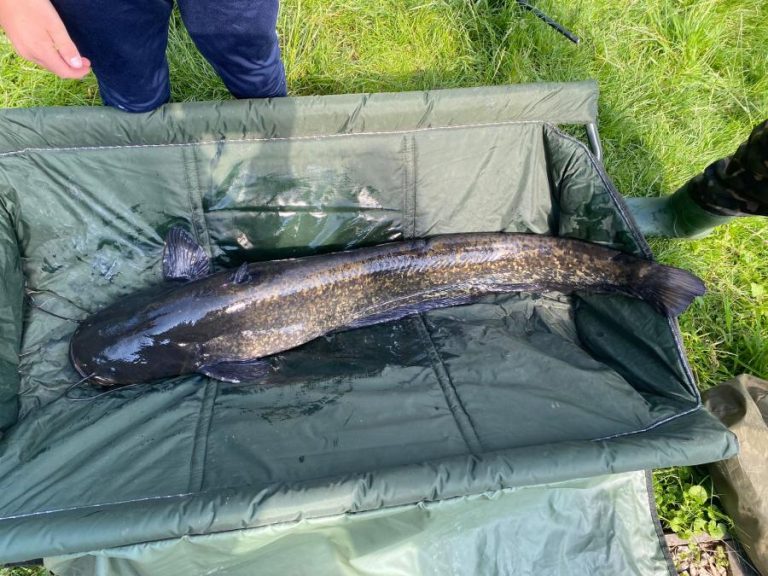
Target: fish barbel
[222,324]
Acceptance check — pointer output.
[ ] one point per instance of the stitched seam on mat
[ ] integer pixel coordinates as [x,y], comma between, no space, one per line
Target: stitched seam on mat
[650,426]
[205,415]
[658,530]
[200,440]
[408,190]
[406,206]
[190,187]
[101,506]
[414,176]
[266,139]
[195,197]
[683,359]
[460,415]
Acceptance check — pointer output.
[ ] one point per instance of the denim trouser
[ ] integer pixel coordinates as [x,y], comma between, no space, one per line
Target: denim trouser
[126,41]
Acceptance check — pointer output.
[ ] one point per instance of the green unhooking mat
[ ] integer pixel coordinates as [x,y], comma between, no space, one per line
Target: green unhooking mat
[510,392]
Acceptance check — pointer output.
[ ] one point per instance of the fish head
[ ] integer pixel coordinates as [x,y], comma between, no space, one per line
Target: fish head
[122,345]
[127,360]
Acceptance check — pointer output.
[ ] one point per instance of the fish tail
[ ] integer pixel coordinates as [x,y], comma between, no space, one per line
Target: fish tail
[670,290]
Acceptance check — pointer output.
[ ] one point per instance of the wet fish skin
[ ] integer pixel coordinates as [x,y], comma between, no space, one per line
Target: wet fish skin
[221,323]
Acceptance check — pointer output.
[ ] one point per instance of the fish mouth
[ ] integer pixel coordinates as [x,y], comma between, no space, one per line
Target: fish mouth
[90,377]
[75,364]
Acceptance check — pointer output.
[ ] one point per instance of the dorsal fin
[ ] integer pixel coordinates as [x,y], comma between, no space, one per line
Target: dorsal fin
[183,257]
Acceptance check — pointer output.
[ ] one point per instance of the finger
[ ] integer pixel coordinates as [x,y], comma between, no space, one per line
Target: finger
[77,66]
[49,58]
[64,45]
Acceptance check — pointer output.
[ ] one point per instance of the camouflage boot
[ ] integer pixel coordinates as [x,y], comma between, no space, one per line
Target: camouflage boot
[737,185]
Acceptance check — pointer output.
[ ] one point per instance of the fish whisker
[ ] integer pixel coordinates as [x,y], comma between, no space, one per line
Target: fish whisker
[90,398]
[32,291]
[57,315]
[38,307]
[29,352]
[76,384]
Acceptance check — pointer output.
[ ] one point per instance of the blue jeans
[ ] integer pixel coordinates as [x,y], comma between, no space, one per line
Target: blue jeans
[126,41]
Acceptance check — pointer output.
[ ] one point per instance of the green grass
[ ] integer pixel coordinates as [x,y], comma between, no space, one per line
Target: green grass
[682,83]
[24,571]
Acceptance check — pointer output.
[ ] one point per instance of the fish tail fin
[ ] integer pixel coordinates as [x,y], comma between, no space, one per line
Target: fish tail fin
[670,290]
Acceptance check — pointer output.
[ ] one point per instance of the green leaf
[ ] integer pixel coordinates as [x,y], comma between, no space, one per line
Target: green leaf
[699,526]
[758,290]
[716,529]
[698,494]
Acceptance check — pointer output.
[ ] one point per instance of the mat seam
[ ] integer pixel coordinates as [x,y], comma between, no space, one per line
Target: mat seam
[414,176]
[200,440]
[656,521]
[205,415]
[268,139]
[452,399]
[406,187]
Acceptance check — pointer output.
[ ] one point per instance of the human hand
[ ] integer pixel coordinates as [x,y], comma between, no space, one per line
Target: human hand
[38,34]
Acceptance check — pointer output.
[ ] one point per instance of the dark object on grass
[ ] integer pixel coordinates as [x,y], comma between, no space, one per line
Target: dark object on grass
[524,4]
[222,325]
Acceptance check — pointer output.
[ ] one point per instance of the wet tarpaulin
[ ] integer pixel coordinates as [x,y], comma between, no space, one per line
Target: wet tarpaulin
[513,391]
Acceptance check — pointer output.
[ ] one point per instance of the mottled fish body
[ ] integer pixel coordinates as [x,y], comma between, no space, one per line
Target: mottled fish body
[221,324]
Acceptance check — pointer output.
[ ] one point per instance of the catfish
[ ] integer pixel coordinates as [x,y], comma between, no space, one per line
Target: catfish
[226,324]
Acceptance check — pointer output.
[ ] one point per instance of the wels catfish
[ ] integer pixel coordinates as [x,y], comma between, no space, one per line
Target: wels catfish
[222,324]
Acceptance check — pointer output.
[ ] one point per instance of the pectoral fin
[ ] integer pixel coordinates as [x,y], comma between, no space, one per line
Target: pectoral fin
[241,275]
[183,257]
[236,372]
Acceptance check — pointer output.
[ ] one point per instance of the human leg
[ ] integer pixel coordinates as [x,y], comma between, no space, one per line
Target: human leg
[125,41]
[239,39]
[736,185]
